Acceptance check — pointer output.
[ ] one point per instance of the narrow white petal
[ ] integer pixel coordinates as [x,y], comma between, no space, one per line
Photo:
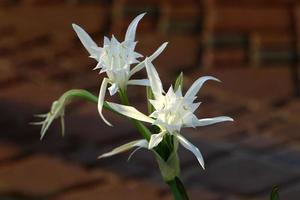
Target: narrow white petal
[154,79]
[131,112]
[101,99]
[41,115]
[113,89]
[133,152]
[86,40]
[37,123]
[194,89]
[189,146]
[98,66]
[106,41]
[136,143]
[143,82]
[141,65]
[130,33]
[46,125]
[156,139]
[214,120]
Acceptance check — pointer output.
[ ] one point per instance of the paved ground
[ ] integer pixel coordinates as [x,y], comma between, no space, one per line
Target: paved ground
[244,159]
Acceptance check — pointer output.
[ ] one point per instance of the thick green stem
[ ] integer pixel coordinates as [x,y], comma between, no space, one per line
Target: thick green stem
[178,190]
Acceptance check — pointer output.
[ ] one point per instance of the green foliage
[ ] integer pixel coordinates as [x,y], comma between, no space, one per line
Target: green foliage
[275,193]
[149,96]
[178,82]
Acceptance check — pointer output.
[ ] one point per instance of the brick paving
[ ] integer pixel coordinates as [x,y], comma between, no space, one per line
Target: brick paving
[42,59]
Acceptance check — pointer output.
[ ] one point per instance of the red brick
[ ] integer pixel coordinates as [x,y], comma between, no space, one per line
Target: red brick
[243,18]
[37,94]
[287,130]
[181,53]
[60,29]
[226,57]
[40,175]
[291,110]
[8,151]
[263,85]
[132,190]
[199,193]
[7,71]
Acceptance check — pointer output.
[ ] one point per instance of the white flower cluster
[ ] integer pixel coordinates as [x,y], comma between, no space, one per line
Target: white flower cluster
[172,110]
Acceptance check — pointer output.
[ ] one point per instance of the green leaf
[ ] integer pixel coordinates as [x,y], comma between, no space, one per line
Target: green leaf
[178,82]
[275,193]
[149,96]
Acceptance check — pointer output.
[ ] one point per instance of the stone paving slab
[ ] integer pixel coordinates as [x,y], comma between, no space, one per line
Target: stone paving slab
[288,158]
[227,131]
[242,175]
[41,175]
[201,194]
[258,143]
[290,193]
[92,128]
[257,120]
[129,190]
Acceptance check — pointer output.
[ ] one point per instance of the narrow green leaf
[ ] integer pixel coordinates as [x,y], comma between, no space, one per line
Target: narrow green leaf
[178,82]
[275,193]
[149,96]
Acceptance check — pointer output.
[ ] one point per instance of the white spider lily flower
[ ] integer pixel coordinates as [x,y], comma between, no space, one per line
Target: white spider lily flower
[57,111]
[136,143]
[172,111]
[115,59]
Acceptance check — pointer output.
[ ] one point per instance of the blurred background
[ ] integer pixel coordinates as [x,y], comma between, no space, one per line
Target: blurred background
[251,45]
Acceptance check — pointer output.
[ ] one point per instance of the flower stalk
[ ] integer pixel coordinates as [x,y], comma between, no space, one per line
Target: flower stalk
[178,190]
[168,112]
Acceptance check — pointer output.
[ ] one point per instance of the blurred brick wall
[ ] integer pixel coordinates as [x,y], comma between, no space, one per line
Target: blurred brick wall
[203,34]
[224,33]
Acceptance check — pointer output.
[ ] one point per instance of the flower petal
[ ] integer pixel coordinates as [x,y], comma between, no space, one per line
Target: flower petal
[189,146]
[136,143]
[191,93]
[143,82]
[154,79]
[141,65]
[130,33]
[214,120]
[156,139]
[131,112]
[101,99]
[113,89]
[86,40]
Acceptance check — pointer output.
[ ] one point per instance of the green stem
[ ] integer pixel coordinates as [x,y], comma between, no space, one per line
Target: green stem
[175,185]
[140,126]
[178,190]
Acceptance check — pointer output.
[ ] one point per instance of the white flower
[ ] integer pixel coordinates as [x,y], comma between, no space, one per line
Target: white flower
[115,59]
[57,111]
[173,111]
